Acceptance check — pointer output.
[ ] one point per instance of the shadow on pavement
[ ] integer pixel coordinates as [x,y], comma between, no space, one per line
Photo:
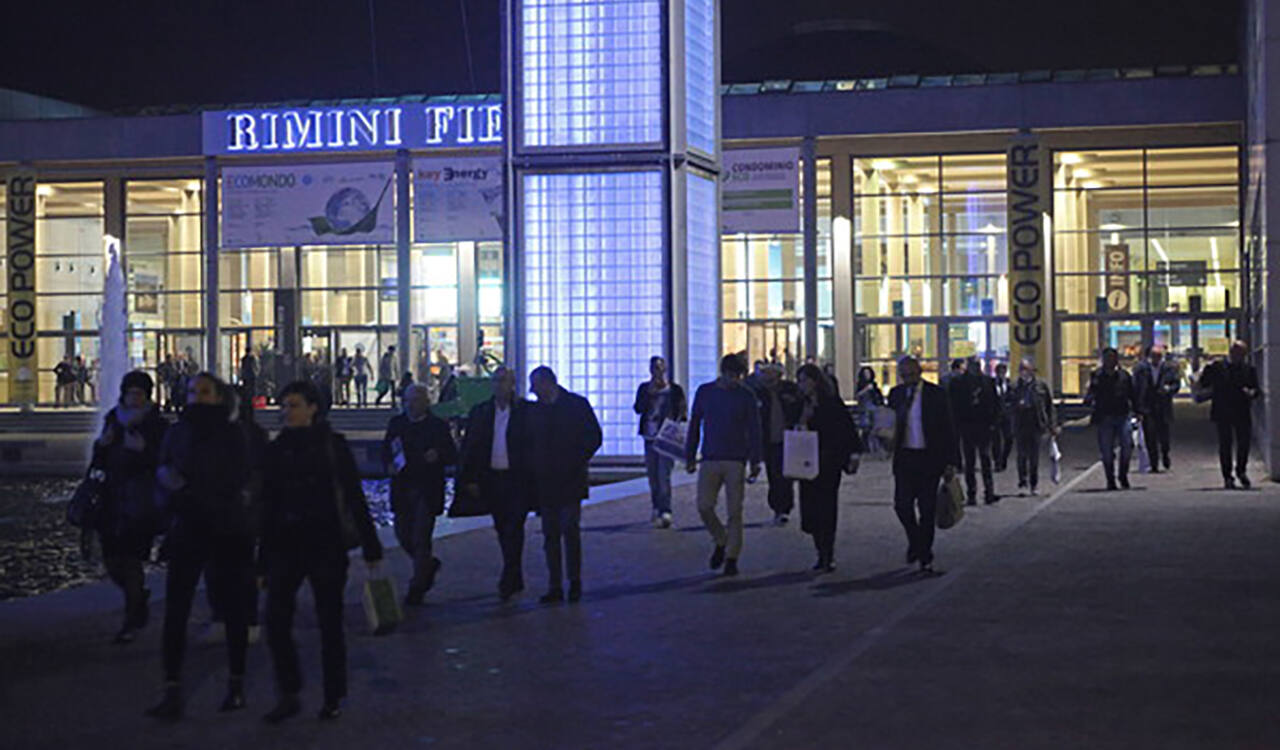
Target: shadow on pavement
[879,582]
[732,585]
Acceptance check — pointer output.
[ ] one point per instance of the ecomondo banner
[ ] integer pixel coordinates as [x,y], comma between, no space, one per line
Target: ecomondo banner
[759,191]
[330,204]
[457,199]
[20,319]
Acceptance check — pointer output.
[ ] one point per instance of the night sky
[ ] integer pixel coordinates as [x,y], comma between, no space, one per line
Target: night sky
[199,51]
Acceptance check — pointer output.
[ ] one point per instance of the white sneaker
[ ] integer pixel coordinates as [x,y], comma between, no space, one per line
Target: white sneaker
[664,521]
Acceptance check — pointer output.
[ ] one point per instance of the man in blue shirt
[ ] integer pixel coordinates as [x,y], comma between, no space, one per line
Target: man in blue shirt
[730,442]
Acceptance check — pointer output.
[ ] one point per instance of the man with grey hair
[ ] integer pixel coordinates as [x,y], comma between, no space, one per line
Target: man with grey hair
[925,450]
[1234,385]
[1031,402]
[416,449]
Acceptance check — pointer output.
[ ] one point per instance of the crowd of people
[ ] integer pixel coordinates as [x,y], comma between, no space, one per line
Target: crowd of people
[253,514]
[75,381]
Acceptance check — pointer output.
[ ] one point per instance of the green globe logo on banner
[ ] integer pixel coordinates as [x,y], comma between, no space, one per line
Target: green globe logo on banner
[348,212]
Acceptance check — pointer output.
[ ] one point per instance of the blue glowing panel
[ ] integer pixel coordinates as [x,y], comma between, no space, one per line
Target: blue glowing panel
[700,74]
[591,72]
[702,252]
[593,262]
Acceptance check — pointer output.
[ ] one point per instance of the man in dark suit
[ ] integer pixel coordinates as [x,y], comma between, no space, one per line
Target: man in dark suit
[563,435]
[1155,381]
[1002,437]
[1234,385]
[925,450]
[976,413]
[492,470]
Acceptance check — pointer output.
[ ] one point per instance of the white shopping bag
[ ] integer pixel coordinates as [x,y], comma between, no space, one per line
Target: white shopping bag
[671,438]
[799,454]
[885,424]
[1140,440]
[1055,458]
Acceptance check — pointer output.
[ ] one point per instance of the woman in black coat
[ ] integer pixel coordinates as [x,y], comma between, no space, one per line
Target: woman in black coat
[126,454]
[203,470]
[825,414]
[314,511]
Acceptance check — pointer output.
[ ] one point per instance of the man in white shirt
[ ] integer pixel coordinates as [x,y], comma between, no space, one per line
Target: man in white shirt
[925,450]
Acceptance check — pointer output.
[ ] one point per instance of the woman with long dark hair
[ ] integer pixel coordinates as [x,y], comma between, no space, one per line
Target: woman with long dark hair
[825,414]
[314,512]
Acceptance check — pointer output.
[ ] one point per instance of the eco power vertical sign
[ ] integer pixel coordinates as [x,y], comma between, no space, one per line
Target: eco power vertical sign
[1029,181]
[20,251]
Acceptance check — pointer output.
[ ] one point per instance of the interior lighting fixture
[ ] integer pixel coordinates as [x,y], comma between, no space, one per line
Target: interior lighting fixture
[1071,158]
[1112,227]
[909,179]
[44,191]
[1217,264]
[1164,257]
[1083,174]
[884,164]
[193,186]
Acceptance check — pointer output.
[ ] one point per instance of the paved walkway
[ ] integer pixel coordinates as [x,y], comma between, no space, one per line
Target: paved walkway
[1082,619]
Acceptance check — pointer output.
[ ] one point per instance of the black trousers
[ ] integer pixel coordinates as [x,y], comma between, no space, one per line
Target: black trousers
[1155,428]
[782,496]
[122,556]
[976,438]
[214,590]
[232,559]
[819,509]
[1241,430]
[327,572]
[1003,442]
[562,524]
[915,486]
[1028,439]
[510,511]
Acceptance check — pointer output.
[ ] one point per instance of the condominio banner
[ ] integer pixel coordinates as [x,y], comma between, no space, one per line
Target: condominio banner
[760,191]
[457,199]
[331,204]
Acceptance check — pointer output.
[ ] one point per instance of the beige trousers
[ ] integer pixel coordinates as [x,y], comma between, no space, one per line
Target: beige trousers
[732,476]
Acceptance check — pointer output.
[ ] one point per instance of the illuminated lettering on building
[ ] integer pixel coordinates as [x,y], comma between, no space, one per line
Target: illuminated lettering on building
[1029,307]
[357,128]
[20,251]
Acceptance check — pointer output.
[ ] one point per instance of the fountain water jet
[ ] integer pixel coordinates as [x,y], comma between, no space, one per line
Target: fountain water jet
[113,347]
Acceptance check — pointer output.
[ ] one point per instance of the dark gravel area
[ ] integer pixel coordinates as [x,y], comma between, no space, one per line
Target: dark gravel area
[39,551]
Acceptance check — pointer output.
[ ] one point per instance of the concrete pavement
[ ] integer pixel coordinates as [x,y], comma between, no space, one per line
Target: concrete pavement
[1138,619]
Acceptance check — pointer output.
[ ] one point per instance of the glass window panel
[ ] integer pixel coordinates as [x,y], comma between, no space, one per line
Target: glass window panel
[974,212]
[971,295]
[341,307]
[435,305]
[349,267]
[824,177]
[899,214]
[69,274]
[54,199]
[701,239]
[1193,166]
[763,299]
[895,174]
[70,236]
[975,254]
[1075,374]
[154,235]
[973,172]
[1083,252]
[50,351]
[148,309]
[434,265]
[248,270]
[1097,210]
[69,312]
[243,308]
[163,197]
[825,298]
[1212,292]
[700,29]
[824,237]
[1087,294]
[150,274]
[898,256]
[1091,169]
[1191,251]
[1193,207]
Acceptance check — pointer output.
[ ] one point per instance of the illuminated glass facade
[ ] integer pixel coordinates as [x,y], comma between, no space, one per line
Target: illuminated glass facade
[700,97]
[703,276]
[593,272]
[591,72]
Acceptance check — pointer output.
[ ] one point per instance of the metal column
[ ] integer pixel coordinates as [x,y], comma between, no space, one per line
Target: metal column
[403,261]
[809,159]
[211,247]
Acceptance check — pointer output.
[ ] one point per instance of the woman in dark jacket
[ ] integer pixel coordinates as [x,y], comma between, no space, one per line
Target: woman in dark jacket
[825,414]
[314,512]
[126,454]
[416,450]
[202,475]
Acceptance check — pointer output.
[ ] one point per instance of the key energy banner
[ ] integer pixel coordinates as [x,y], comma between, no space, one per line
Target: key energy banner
[759,191]
[457,199]
[331,204]
[20,251]
[1029,186]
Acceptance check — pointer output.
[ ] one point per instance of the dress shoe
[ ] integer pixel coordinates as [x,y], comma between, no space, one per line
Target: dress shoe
[926,568]
[717,557]
[1166,463]
[554,596]
[575,591]
[330,711]
[286,708]
[142,613]
[1111,485]
[731,567]
[506,590]
[1244,481]
[1229,483]
[991,500]
[912,556]
[235,696]
[170,706]
[125,635]
[436,565]
[972,501]
[414,597]
[1124,481]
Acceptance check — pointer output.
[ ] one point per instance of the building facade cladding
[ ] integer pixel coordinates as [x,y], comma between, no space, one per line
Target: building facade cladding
[908,238]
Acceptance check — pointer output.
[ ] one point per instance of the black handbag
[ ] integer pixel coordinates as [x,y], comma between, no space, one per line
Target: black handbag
[466,504]
[84,510]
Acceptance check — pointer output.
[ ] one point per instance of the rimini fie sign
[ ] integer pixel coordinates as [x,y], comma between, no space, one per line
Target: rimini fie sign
[356,128]
[457,199]
[20,254]
[1029,181]
[309,204]
[759,190]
